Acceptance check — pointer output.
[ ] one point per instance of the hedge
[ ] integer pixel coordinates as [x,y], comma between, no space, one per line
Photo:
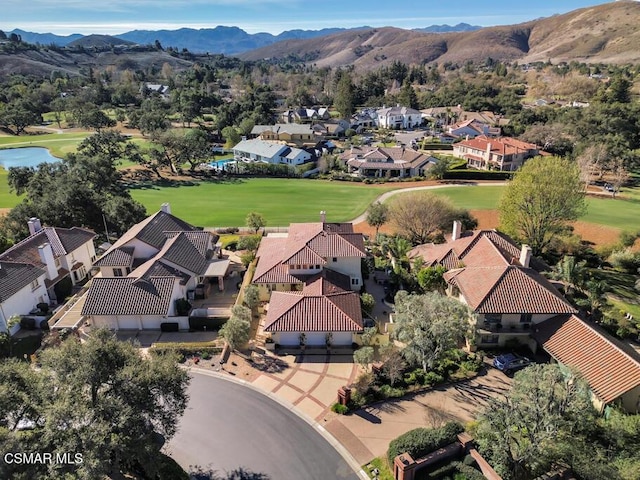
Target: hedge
[421,441]
[436,146]
[477,175]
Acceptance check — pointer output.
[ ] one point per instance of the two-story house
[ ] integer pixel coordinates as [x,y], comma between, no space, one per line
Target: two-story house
[398,117]
[155,264]
[503,154]
[43,268]
[487,271]
[510,300]
[311,277]
[293,134]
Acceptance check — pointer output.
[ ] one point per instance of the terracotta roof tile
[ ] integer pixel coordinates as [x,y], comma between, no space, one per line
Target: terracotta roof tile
[509,289]
[295,312]
[609,370]
[478,248]
[270,268]
[325,304]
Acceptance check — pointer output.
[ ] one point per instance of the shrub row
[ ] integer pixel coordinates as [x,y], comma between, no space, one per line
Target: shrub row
[421,441]
[477,175]
[436,146]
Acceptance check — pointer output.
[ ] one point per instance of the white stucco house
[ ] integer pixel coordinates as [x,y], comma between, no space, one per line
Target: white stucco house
[311,278]
[34,269]
[269,152]
[149,270]
[398,117]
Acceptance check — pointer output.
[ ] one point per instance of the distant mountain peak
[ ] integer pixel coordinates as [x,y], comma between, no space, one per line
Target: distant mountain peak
[460,27]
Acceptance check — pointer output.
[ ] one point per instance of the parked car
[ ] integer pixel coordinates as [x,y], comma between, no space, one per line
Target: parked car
[510,363]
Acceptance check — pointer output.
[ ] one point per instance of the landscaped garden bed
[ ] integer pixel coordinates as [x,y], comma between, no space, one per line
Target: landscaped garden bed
[384,381]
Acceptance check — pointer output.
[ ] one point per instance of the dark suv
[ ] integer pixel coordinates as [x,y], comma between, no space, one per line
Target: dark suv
[510,363]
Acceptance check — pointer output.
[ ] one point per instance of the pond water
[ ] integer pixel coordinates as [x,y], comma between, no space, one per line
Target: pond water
[25,157]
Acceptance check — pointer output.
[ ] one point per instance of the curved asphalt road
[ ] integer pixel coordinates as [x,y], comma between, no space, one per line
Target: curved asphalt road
[228,426]
[385,196]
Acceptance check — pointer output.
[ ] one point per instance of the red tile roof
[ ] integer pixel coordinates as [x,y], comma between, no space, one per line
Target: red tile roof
[478,248]
[508,289]
[609,370]
[323,305]
[270,268]
[500,146]
[306,244]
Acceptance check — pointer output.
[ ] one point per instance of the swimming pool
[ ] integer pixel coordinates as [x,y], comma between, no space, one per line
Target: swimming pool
[220,163]
[25,157]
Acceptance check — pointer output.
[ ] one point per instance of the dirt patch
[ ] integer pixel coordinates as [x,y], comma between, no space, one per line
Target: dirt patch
[597,234]
[237,366]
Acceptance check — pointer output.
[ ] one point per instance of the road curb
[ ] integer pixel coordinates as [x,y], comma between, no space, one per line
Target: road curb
[344,453]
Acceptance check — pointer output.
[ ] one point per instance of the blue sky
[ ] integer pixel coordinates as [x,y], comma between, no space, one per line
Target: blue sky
[64,17]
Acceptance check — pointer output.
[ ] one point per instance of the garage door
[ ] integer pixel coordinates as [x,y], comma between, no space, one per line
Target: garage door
[128,323]
[341,338]
[289,338]
[316,339]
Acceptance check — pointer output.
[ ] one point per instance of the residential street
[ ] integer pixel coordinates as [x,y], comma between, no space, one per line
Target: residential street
[229,426]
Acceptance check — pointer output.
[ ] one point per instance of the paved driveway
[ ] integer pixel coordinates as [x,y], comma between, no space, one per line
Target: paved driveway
[309,382]
[366,433]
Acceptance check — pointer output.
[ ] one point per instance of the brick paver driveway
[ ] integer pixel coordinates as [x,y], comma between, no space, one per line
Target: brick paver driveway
[309,382]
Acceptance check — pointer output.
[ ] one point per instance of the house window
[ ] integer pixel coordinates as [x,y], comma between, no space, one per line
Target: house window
[317,267]
[493,317]
[489,339]
[334,259]
[355,281]
[525,318]
[117,272]
[35,284]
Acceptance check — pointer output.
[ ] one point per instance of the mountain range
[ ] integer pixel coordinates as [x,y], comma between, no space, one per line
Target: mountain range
[221,39]
[607,33]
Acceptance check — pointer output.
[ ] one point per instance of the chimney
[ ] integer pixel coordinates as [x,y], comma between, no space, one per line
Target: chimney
[34,225]
[166,207]
[323,216]
[46,255]
[489,151]
[525,256]
[457,230]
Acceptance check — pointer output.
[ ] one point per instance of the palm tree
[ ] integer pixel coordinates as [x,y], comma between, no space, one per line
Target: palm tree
[571,273]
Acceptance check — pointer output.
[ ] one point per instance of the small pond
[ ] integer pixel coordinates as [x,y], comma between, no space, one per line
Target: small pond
[25,157]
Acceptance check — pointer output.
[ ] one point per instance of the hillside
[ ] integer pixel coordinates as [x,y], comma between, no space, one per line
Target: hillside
[43,62]
[608,33]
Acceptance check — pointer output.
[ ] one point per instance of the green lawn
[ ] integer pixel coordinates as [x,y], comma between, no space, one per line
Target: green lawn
[280,201]
[618,213]
[59,144]
[472,198]
[7,199]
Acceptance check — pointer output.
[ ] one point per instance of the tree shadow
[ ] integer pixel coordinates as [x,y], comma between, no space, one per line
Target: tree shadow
[268,364]
[197,472]
[368,416]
